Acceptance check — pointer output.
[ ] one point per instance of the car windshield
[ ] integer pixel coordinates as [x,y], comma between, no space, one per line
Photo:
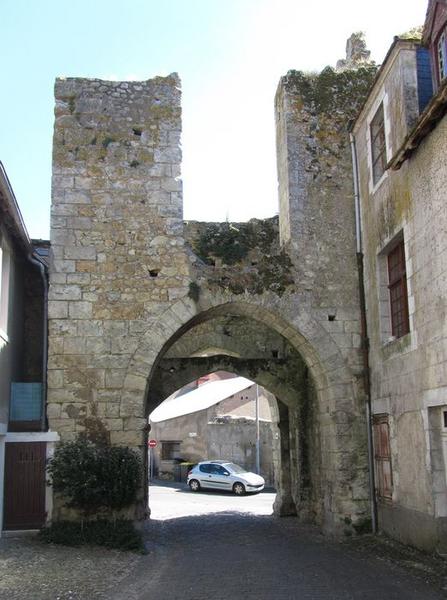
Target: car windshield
[235,468]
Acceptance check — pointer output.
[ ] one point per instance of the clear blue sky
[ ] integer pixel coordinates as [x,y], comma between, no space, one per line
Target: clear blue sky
[230,55]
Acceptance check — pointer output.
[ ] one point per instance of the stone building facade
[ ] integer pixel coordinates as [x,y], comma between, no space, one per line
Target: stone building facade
[401,143]
[141,304]
[25,442]
[225,430]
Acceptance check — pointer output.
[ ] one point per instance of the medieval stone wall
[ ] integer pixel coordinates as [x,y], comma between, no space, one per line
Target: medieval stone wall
[116,234]
[126,289]
[315,180]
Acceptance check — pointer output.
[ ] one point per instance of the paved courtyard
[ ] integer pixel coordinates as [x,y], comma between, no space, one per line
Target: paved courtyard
[174,500]
[214,546]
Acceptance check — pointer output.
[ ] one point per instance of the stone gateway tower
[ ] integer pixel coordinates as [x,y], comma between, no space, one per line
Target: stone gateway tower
[141,303]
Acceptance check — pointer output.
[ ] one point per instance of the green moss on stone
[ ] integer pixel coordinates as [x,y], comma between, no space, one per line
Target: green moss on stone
[332,90]
[194,291]
[246,256]
[107,141]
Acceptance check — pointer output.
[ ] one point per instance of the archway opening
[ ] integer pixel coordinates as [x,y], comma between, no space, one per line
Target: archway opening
[217,433]
[236,342]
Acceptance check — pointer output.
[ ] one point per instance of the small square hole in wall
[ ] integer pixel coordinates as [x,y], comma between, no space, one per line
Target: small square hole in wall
[153,273]
[331,317]
[137,131]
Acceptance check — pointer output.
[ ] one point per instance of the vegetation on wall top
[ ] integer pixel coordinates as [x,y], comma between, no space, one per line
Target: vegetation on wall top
[246,256]
[333,90]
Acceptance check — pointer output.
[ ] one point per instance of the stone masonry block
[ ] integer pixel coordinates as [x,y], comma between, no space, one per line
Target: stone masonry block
[80,310]
[132,404]
[135,424]
[59,278]
[124,345]
[53,411]
[90,328]
[127,438]
[74,345]
[62,425]
[97,345]
[55,378]
[115,378]
[64,292]
[81,278]
[114,424]
[133,382]
[57,309]
[64,266]
[76,197]
[80,252]
[55,345]
[112,410]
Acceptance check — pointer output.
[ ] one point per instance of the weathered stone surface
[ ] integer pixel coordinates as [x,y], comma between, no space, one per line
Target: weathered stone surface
[133,288]
[408,373]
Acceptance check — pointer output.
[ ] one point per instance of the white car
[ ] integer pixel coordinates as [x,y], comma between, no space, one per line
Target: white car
[223,475]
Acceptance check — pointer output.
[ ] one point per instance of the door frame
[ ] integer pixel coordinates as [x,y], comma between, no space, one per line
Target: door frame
[50,437]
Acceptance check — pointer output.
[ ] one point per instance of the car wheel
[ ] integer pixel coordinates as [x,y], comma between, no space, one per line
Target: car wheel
[239,489]
[194,485]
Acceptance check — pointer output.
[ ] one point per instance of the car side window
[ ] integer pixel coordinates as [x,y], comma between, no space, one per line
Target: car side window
[205,468]
[221,470]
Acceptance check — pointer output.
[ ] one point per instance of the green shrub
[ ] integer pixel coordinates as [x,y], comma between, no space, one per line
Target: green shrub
[120,534]
[94,478]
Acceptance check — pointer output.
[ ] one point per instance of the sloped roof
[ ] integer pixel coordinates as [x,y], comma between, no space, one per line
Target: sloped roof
[10,213]
[433,5]
[202,397]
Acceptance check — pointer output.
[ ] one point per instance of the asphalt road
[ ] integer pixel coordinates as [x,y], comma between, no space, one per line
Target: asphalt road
[212,545]
[215,546]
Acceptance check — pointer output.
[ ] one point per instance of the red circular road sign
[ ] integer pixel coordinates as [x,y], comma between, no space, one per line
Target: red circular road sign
[152,443]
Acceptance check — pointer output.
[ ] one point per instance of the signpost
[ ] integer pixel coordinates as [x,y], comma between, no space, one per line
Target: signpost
[151,444]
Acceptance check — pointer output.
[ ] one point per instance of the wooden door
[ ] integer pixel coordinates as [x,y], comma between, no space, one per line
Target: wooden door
[24,506]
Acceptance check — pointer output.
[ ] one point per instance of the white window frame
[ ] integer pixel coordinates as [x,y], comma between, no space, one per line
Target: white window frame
[5,273]
[441,50]
[382,99]
[383,290]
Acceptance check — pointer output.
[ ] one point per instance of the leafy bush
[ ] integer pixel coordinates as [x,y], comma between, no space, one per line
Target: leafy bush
[95,478]
[120,534]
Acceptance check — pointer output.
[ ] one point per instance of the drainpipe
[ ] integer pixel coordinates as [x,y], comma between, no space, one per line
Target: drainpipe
[258,462]
[34,258]
[364,334]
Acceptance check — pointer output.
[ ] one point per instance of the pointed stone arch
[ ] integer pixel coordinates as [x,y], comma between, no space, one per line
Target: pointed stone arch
[319,351]
[340,422]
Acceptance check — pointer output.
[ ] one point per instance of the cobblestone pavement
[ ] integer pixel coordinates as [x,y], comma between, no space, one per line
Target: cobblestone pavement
[234,556]
[30,570]
[220,556]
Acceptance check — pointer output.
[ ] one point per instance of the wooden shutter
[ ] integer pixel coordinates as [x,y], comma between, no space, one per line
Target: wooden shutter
[24,485]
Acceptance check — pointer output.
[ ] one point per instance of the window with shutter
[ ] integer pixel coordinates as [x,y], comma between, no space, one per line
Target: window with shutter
[382,456]
[170,450]
[441,55]
[378,144]
[397,285]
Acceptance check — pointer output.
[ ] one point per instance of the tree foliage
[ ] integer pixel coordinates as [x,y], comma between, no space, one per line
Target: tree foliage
[95,478]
